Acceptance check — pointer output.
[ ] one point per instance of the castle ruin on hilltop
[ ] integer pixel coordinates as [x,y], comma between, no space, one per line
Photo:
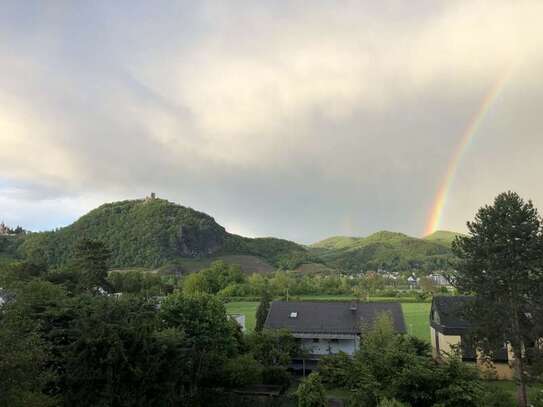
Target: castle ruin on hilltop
[4,230]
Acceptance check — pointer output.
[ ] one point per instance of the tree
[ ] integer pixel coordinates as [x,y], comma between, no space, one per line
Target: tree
[500,261]
[243,370]
[118,353]
[311,392]
[273,347]
[209,335]
[91,262]
[428,285]
[213,279]
[391,403]
[262,311]
[368,285]
[23,358]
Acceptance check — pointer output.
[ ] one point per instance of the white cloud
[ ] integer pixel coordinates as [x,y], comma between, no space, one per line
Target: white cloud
[330,110]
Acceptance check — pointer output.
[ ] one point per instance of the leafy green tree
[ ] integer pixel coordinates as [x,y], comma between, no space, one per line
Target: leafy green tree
[394,366]
[213,279]
[273,347]
[501,262]
[14,274]
[23,359]
[208,334]
[243,370]
[386,402]
[118,353]
[335,370]
[195,283]
[369,284]
[311,392]
[91,262]
[262,311]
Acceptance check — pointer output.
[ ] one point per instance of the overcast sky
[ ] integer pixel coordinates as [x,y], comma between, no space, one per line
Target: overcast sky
[295,119]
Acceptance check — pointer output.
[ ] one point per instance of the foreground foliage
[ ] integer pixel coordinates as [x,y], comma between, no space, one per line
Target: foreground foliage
[501,262]
[390,369]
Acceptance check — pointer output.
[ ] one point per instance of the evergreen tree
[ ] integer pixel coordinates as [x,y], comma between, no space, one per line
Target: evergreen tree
[262,310]
[501,263]
[91,262]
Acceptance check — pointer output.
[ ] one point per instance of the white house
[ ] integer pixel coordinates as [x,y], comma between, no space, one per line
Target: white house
[324,328]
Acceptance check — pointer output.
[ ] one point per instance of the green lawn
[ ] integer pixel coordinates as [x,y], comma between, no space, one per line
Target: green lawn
[511,388]
[336,297]
[416,316]
[246,308]
[417,319]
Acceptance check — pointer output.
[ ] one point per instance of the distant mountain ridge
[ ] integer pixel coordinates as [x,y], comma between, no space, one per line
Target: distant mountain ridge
[391,251]
[154,232]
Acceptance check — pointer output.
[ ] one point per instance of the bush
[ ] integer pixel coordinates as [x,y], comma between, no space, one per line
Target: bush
[335,370]
[242,371]
[276,375]
[311,392]
[537,402]
[498,397]
[391,403]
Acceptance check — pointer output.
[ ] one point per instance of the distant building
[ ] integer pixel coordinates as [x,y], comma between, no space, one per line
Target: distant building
[324,328]
[412,281]
[151,197]
[4,230]
[439,279]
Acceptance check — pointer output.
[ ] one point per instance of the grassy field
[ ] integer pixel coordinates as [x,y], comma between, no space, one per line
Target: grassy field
[416,316]
[335,297]
[511,388]
[417,319]
[246,308]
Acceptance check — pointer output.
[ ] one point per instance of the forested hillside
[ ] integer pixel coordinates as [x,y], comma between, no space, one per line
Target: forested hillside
[155,232]
[8,248]
[383,250]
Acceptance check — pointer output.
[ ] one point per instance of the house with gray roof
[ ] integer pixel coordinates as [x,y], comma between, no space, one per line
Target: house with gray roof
[324,328]
[450,333]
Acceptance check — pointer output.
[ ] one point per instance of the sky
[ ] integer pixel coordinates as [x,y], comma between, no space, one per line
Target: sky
[294,119]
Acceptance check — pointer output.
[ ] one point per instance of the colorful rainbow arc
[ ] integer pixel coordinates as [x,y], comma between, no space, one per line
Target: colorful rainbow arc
[434,219]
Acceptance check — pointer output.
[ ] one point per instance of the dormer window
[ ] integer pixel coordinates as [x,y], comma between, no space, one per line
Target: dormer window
[293,315]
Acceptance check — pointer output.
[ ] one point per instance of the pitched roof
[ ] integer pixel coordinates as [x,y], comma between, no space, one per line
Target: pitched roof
[330,317]
[451,311]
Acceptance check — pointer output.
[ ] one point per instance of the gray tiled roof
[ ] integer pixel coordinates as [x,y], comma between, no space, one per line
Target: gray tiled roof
[330,317]
[451,312]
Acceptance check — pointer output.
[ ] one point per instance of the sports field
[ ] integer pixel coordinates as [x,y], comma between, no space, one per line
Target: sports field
[416,316]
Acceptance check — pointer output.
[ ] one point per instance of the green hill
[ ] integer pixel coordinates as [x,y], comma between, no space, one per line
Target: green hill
[387,250]
[8,248]
[155,232]
[442,236]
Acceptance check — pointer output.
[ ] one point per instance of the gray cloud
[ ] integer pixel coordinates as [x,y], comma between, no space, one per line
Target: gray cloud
[278,119]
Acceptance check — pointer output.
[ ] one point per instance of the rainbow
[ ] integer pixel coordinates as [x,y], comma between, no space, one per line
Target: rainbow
[436,213]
